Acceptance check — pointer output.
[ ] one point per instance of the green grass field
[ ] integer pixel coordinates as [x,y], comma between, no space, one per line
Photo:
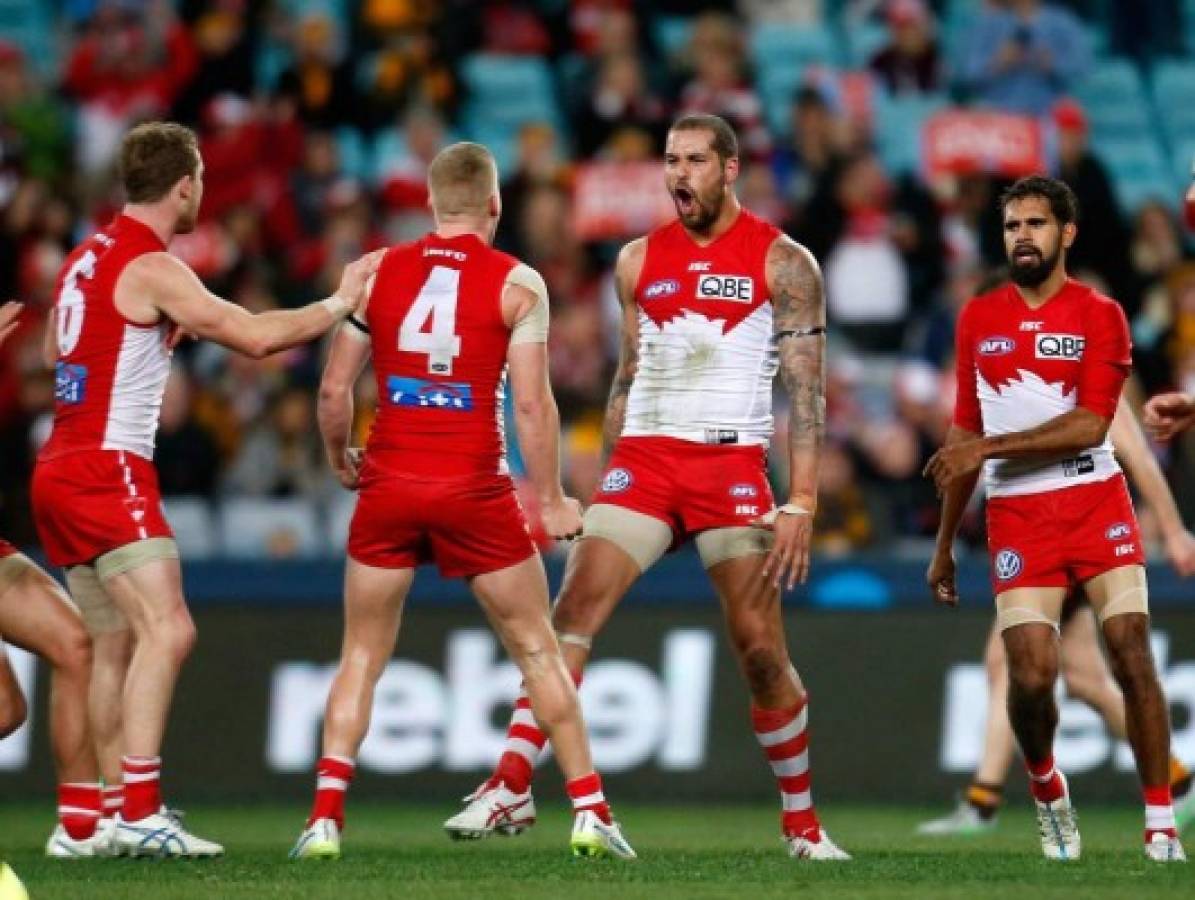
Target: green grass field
[686,852]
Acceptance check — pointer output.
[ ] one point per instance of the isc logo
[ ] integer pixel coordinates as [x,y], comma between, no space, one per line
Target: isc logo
[1059,346]
[737,288]
[996,346]
[1126,549]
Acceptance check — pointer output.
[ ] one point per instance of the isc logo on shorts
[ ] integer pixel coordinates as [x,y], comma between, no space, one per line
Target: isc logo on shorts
[664,288]
[1059,346]
[1008,565]
[737,288]
[1117,532]
[996,346]
[616,481]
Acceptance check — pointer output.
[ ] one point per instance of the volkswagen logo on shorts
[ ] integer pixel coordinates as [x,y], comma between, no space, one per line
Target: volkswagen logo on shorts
[1008,565]
[616,481]
[1118,532]
[743,490]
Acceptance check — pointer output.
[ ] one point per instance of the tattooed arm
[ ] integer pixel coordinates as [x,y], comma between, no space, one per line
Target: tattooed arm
[626,276]
[799,314]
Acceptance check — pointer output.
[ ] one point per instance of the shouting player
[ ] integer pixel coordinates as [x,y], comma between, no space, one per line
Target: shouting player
[1041,364]
[713,304]
[37,615]
[447,319]
[1084,669]
[121,300]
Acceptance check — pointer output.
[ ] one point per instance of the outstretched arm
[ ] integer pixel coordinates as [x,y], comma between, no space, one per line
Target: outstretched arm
[626,276]
[799,316]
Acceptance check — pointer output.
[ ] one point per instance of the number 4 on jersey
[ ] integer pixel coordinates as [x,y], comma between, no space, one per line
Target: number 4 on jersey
[436,302]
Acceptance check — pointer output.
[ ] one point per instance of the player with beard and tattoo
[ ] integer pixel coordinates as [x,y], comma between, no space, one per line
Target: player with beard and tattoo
[714,304]
[1040,365]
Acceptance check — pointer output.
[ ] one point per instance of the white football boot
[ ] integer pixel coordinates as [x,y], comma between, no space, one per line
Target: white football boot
[62,846]
[1162,848]
[493,807]
[802,847]
[592,838]
[1058,824]
[161,835]
[319,840]
[964,819]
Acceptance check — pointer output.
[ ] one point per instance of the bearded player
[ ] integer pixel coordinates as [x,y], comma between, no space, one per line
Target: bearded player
[121,301]
[448,320]
[1041,363]
[713,304]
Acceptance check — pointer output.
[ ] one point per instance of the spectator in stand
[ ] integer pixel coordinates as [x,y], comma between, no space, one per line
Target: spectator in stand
[538,163]
[227,42]
[718,85]
[843,522]
[620,98]
[402,157]
[319,80]
[819,140]
[910,63]
[1103,242]
[35,139]
[1023,55]
[780,12]
[311,184]
[132,63]
[185,454]
[407,72]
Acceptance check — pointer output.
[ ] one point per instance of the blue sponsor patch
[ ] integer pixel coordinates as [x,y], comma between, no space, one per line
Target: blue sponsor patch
[420,394]
[70,383]
[664,288]
[997,346]
[1008,565]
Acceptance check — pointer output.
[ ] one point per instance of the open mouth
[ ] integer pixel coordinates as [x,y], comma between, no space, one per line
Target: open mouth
[686,201]
[1026,255]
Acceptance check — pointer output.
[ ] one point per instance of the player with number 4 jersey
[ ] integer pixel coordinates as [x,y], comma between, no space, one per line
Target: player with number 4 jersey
[447,321]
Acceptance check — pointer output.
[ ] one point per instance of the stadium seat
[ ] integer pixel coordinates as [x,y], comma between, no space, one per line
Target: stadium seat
[1139,170]
[355,154]
[340,514]
[672,33]
[899,122]
[1174,98]
[793,45]
[863,41]
[29,25]
[252,528]
[1111,81]
[193,524]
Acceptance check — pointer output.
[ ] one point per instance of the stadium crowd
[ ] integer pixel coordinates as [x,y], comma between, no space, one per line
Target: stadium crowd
[317,119]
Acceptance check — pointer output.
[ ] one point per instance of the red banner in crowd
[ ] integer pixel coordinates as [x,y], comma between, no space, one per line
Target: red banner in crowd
[620,200]
[964,142]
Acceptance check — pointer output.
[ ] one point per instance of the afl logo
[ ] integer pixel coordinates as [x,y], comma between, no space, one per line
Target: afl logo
[658,289]
[1008,565]
[1117,532]
[743,490]
[996,346]
[616,481]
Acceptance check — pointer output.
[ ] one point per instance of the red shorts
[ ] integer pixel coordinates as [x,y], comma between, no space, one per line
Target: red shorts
[89,503]
[1062,538]
[465,526]
[688,486]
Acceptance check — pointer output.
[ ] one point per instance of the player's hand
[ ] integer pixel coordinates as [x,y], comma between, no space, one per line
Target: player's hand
[1165,415]
[788,562]
[1180,550]
[561,519]
[941,578]
[356,275]
[953,462]
[10,312]
[348,473]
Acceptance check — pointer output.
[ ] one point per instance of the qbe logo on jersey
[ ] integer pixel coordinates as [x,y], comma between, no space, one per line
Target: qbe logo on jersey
[415,392]
[735,288]
[1059,346]
[1008,565]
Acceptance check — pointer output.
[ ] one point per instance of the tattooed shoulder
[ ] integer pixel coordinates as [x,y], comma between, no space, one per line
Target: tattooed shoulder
[795,285]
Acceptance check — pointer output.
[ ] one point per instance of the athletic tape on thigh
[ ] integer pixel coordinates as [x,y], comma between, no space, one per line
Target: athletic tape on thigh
[1133,599]
[134,555]
[717,545]
[1021,615]
[584,641]
[100,614]
[642,537]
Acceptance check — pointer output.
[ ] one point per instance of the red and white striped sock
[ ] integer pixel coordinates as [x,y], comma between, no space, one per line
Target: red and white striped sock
[333,775]
[113,799]
[586,794]
[1044,781]
[524,746]
[79,809]
[782,734]
[1159,812]
[142,786]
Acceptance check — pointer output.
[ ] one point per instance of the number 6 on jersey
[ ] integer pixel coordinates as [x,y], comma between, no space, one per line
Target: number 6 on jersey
[436,300]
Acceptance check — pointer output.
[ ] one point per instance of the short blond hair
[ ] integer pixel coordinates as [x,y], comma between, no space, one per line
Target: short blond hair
[461,179]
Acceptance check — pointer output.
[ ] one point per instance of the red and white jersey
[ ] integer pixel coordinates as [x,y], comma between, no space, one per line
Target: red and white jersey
[111,373]
[707,355]
[1020,367]
[439,356]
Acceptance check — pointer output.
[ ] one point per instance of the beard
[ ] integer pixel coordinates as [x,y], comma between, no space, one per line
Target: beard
[698,213]
[1031,273]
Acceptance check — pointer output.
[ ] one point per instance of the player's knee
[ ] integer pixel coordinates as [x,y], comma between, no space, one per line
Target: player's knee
[74,650]
[763,668]
[1032,678]
[13,712]
[574,612]
[179,637]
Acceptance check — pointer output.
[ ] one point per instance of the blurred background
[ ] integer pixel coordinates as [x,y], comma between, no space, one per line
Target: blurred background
[877,132]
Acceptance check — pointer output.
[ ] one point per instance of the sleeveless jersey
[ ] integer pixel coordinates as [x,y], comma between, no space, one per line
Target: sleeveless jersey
[707,355]
[111,373]
[439,357]
[1019,367]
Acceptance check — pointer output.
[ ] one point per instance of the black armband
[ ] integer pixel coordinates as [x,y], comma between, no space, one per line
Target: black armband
[357,323]
[801,332]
